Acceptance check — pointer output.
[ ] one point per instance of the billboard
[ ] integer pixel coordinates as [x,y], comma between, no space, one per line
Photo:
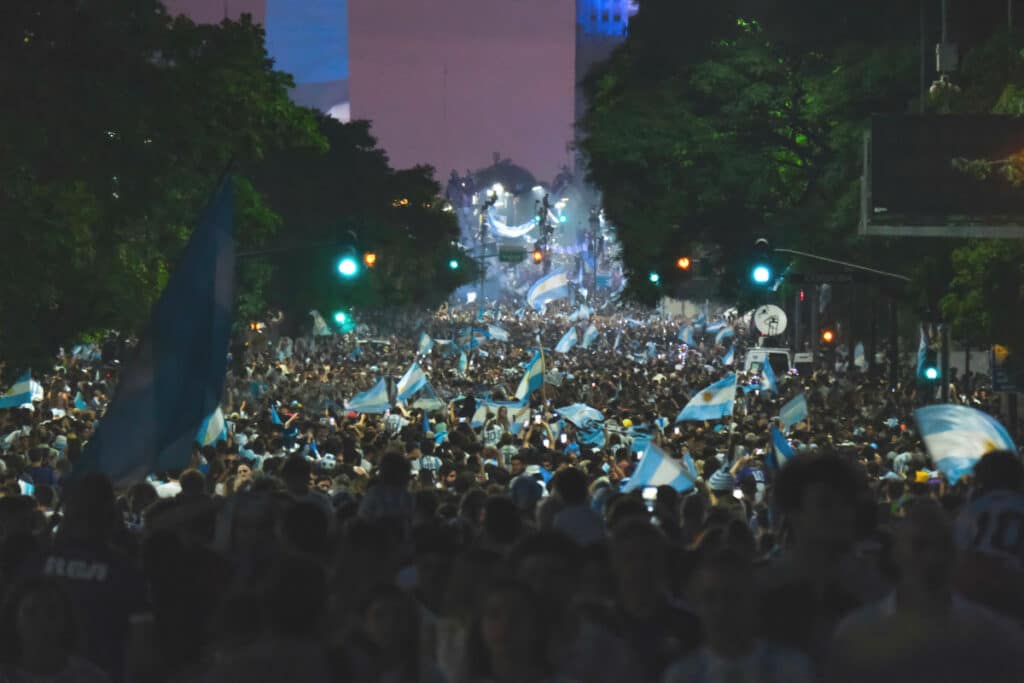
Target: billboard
[914,183]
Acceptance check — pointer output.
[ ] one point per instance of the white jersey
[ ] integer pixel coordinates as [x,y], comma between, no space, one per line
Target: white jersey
[994,525]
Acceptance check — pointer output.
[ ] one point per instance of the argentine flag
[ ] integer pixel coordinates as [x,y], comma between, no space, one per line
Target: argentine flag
[723,334]
[567,341]
[922,353]
[768,382]
[590,336]
[686,335]
[957,437]
[19,394]
[463,362]
[580,413]
[547,289]
[711,403]
[498,334]
[373,400]
[213,429]
[729,356]
[412,381]
[793,412]
[320,328]
[781,448]
[715,328]
[533,378]
[656,468]
[425,344]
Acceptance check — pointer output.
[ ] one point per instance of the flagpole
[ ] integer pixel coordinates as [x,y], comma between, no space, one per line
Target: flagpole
[543,373]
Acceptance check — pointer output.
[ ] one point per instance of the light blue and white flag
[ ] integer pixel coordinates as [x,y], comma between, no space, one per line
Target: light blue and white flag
[793,412]
[715,327]
[320,328]
[712,403]
[424,344]
[590,336]
[19,394]
[858,356]
[922,353]
[463,362]
[533,378]
[498,334]
[724,334]
[580,413]
[213,429]
[729,357]
[567,341]
[768,382]
[547,289]
[782,450]
[80,403]
[957,437]
[581,313]
[412,381]
[686,335]
[175,377]
[656,468]
[373,400]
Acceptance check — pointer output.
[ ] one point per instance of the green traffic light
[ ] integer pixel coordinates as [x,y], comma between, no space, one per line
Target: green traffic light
[341,317]
[761,274]
[348,267]
[453,264]
[931,374]
[654,278]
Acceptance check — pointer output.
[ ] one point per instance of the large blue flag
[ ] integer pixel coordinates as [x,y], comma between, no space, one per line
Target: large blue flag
[793,412]
[19,394]
[768,382]
[567,341]
[711,403]
[533,378]
[373,400]
[729,356]
[176,376]
[656,468]
[725,333]
[412,381]
[782,451]
[213,429]
[686,335]
[957,437]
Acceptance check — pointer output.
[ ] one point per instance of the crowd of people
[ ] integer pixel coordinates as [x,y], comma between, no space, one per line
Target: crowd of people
[465,537]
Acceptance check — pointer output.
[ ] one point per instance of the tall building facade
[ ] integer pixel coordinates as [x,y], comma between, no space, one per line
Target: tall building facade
[306,38]
[601,26]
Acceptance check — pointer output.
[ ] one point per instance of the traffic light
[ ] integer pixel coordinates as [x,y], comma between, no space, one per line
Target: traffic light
[348,267]
[538,254]
[684,263]
[453,264]
[761,272]
[341,317]
[654,278]
[930,367]
[828,337]
[370,259]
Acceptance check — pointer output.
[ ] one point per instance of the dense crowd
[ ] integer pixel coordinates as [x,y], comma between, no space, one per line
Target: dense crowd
[449,541]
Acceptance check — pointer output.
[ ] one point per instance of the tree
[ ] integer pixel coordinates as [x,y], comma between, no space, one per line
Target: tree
[120,122]
[753,128]
[349,198]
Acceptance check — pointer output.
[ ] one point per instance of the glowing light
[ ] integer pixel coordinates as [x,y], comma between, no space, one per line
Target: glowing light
[683,263]
[498,189]
[341,317]
[828,336]
[563,219]
[654,278]
[931,374]
[370,259]
[453,264]
[762,274]
[348,266]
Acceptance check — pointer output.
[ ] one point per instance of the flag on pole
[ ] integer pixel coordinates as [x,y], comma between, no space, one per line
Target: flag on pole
[213,429]
[725,333]
[19,394]
[922,352]
[176,376]
[533,378]
[656,468]
[424,344]
[590,336]
[567,341]
[373,400]
[412,381]
[320,328]
[729,356]
[548,289]
[711,403]
[957,437]
[715,328]
[793,412]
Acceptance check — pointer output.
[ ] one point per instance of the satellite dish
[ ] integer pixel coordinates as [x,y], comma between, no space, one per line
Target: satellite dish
[770,320]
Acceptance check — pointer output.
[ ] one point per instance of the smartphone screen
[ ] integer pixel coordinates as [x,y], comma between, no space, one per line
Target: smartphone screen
[536,419]
[564,438]
[650,493]
[547,443]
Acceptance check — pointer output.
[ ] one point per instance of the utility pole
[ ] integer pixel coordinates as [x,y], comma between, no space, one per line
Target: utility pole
[546,231]
[491,200]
